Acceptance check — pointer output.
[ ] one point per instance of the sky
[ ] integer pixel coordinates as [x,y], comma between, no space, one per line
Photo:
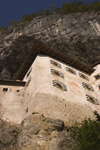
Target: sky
[15,9]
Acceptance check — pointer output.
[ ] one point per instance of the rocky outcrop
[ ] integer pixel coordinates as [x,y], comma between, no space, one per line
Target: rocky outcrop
[76,35]
[35,133]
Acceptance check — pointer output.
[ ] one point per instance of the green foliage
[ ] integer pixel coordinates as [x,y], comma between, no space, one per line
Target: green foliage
[73,7]
[15,23]
[2,29]
[47,11]
[86,135]
[79,6]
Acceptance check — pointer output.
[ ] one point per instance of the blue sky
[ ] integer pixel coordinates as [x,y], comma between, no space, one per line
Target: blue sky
[15,9]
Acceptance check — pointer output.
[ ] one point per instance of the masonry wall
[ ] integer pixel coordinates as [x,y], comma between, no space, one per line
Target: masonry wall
[41,96]
[11,103]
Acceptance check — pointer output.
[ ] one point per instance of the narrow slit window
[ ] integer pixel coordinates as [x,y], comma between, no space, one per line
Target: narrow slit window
[58,73]
[88,87]
[70,70]
[83,76]
[59,85]
[92,99]
[5,90]
[97,77]
[55,63]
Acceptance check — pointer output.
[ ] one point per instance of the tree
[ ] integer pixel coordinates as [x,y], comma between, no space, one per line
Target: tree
[86,135]
[47,11]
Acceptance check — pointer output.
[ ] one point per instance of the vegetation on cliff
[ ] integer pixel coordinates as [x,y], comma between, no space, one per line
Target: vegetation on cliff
[73,7]
[86,135]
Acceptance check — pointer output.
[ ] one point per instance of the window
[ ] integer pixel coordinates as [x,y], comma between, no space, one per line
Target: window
[83,76]
[71,70]
[92,99]
[89,87]
[55,63]
[58,73]
[97,76]
[17,90]
[5,89]
[59,85]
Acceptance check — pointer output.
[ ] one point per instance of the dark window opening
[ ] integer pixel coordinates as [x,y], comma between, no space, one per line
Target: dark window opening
[5,89]
[97,76]
[17,91]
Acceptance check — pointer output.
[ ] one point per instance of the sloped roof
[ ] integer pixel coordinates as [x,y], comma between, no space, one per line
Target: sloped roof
[42,49]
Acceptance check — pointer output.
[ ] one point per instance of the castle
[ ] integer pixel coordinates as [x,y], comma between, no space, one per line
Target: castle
[53,84]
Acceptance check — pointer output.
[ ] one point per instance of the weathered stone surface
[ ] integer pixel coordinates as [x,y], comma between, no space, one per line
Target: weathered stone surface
[35,133]
[77,35]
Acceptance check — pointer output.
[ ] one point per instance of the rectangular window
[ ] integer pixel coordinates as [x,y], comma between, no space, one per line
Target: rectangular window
[92,99]
[55,63]
[70,70]
[59,85]
[5,89]
[83,76]
[97,77]
[89,87]
[58,73]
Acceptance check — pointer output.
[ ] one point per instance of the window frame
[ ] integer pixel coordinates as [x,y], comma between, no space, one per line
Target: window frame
[87,86]
[70,70]
[60,74]
[55,63]
[83,76]
[5,90]
[94,101]
[59,85]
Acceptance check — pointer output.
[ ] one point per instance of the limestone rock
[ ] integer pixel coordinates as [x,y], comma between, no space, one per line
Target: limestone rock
[36,132]
[76,35]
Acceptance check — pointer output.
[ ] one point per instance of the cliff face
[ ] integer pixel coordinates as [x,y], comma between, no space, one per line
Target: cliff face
[35,133]
[76,35]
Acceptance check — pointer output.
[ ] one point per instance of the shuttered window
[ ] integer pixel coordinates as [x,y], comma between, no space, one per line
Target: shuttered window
[59,85]
[89,87]
[55,63]
[70,70]
[58,73]
[92,99]
[83,76]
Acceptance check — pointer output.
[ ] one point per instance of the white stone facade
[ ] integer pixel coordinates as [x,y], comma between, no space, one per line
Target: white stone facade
[40,96]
